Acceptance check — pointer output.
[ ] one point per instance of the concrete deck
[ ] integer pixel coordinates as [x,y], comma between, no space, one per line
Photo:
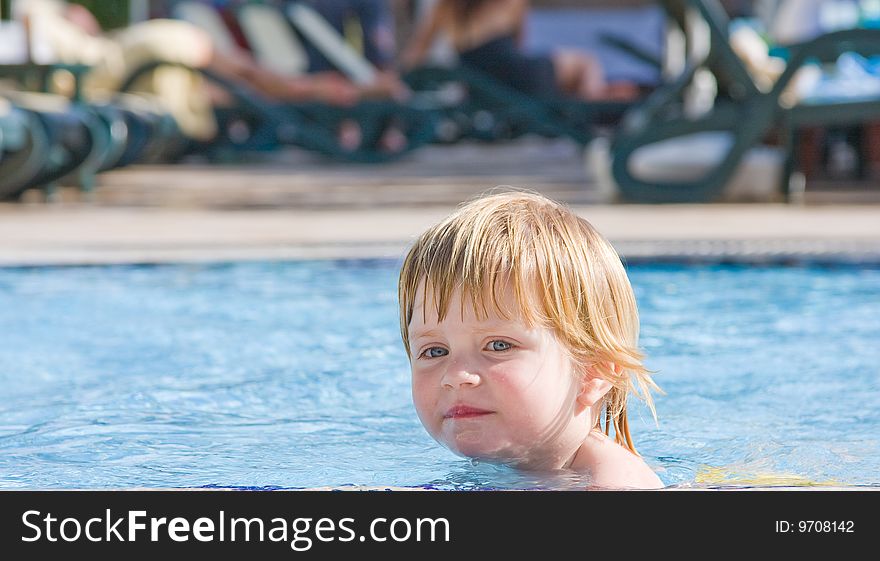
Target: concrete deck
[299,206]
[89,235]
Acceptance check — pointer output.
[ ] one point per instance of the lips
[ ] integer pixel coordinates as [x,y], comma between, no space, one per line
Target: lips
[465,412]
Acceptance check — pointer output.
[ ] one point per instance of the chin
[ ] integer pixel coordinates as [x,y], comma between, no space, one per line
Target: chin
[474,453]
[467,449]
[484,452]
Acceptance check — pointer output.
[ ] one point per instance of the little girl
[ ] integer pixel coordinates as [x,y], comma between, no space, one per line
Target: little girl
[522,332]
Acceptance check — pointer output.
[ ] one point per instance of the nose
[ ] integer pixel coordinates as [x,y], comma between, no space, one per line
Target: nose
[460,375]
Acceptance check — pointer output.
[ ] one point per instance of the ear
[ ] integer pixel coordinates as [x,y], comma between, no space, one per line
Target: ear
[593,388]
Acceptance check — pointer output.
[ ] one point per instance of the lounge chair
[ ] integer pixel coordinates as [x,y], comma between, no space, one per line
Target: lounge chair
[24,149]
[487,112]
[149,132]
[255,123]
[78,137]
[418,123]
[54,139]
[488,109]
[69,138]
[737,123]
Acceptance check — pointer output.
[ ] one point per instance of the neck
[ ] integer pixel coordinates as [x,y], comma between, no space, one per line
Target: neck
[586,456]
[573,451]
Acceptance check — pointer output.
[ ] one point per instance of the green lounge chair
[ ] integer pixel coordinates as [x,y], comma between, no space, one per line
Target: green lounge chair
[83,137]
[255,123]
[24,149]
[92,125]
[150,133]
[270,33]
[738,122]
[487,109]
[54,140]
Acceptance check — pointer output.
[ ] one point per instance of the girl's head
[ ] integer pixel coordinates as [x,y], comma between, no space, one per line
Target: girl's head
[515,311]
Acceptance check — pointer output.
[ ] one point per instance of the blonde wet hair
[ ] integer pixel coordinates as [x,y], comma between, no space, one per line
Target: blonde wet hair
[564,275]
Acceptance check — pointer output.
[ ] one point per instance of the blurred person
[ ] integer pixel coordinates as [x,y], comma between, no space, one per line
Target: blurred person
[73,35]
[488,35]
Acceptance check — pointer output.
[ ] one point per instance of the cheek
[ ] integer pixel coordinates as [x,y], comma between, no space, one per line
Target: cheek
[515,380]
[534,391]
[512,394]
[424,397]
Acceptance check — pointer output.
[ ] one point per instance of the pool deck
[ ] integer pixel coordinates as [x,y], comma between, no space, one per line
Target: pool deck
[69,235]
[297,206]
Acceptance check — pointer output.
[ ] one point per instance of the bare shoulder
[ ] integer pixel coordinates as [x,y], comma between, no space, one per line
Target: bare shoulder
[623,469]
[613,466]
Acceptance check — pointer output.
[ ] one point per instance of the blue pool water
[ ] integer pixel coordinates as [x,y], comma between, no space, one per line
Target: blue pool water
[292,375]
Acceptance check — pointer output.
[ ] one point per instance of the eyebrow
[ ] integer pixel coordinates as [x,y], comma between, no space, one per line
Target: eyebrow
[425,333]
[493,327]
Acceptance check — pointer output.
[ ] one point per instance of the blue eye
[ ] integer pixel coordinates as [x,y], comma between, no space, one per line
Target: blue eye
[499,345]
[434,352]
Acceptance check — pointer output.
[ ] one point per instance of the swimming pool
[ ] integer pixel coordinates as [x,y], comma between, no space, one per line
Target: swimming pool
[292,375]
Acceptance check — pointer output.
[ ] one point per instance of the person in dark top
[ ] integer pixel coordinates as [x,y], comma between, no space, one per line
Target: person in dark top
[487,35]
[501,58]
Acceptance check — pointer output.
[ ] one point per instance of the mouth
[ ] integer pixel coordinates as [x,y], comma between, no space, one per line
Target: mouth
[465,412]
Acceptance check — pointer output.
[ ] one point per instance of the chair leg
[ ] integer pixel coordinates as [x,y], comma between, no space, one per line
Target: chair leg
[51,194]
[857,138]
[790,146]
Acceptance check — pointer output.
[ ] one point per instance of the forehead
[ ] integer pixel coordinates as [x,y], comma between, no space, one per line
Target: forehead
[498,305]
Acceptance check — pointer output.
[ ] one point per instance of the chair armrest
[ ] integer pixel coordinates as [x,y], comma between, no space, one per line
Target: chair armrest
[631,49]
